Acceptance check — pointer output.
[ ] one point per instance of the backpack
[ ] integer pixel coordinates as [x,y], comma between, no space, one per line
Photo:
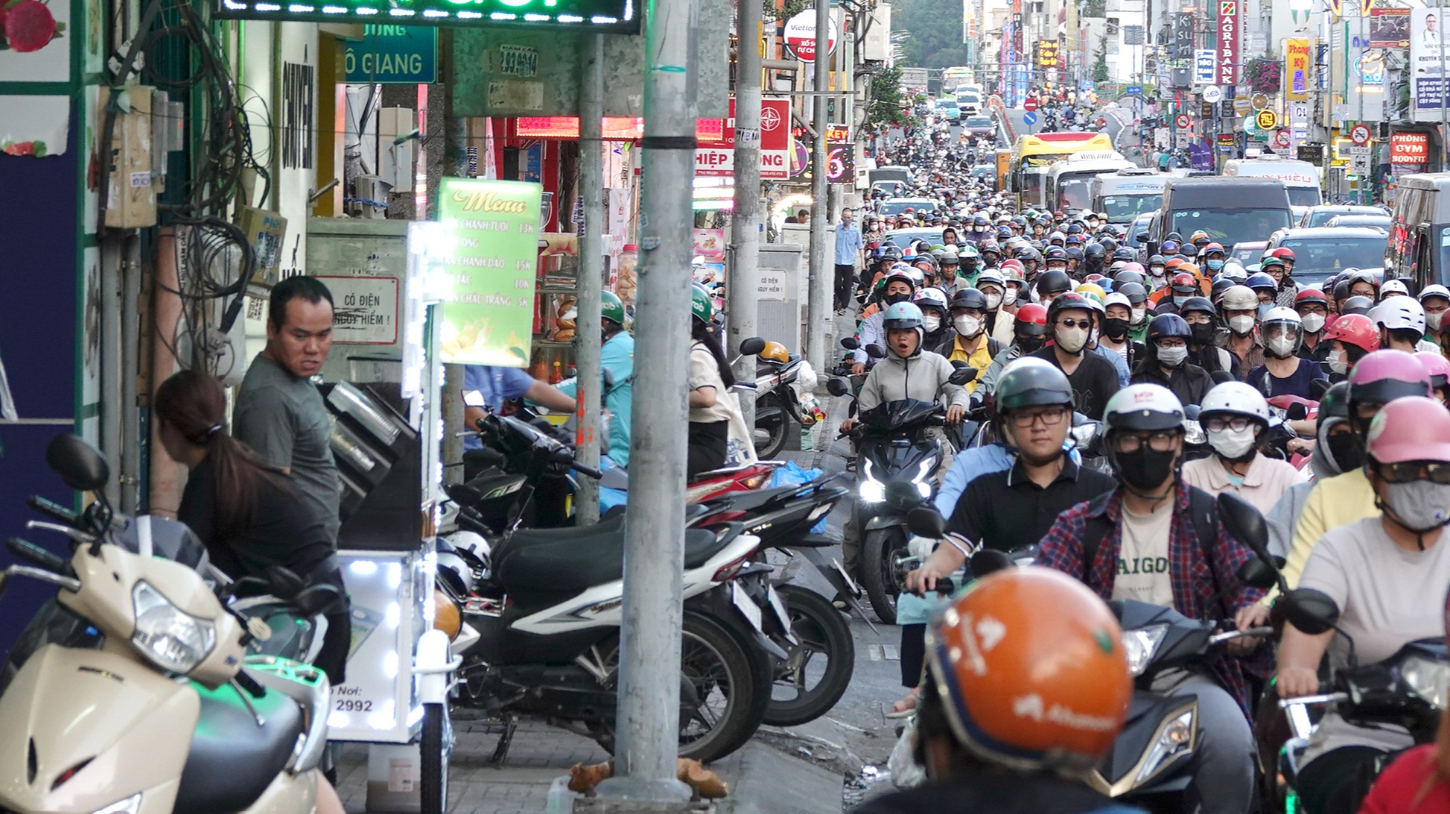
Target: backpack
[1201,507]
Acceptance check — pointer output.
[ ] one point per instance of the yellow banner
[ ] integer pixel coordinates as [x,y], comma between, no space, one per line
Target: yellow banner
[1296,70]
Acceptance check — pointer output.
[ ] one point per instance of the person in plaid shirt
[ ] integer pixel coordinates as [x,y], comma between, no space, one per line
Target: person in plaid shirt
[1141,542]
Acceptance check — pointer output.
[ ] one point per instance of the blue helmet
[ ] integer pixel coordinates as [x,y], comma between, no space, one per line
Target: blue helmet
[1261,280]
[902,316]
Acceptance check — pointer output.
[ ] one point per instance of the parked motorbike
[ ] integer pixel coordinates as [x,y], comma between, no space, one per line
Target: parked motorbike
[167,713]
[779,400]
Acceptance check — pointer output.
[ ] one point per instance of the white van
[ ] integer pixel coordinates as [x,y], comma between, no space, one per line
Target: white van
[1301,179]
[1122,196]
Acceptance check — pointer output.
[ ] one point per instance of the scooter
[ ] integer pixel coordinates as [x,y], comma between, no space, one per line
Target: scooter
[778,403]
[167,713]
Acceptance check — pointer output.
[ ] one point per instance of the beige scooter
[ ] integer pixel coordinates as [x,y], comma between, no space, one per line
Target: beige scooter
[169,714]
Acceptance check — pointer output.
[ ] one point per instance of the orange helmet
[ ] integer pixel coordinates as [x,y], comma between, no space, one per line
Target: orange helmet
[1030,666]
[775,352]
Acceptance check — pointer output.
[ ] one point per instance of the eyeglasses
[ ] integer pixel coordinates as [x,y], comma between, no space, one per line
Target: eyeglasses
[1050,418]
[1156,441]
[1074,323]
[1237,423]
[1410,471]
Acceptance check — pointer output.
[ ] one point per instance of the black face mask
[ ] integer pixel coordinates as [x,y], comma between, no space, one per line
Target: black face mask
[1145,468]
[1115,329]
[1030,344]
[1202,332]
[1346,450]
[892,299]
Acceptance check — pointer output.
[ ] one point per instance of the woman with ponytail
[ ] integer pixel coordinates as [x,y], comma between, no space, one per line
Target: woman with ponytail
[244,512]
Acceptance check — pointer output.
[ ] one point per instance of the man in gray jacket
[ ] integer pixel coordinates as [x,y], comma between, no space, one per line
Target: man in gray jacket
[907,372]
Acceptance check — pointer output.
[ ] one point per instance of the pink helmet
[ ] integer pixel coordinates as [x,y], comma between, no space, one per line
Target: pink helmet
[1413,428]
[1437,366]
[1385,375]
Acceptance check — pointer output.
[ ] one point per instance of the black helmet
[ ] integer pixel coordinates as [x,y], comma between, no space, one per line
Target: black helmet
[1124,253]
[1055,253]
[1030,384]
[1196,304]
[1356,305]
[969,298]
[1135,292]
[1341,290]
[1064,303]
[1124,277]
[1027,253]
[1108,244]
[1220,285]
[1164,326]
[1055,281]
[1157,260]
[1335,401]
[1095,251]
[1074,253]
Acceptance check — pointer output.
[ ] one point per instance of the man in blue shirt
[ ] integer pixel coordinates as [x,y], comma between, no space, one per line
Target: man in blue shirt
[848,252]
[500,384]
[617,360]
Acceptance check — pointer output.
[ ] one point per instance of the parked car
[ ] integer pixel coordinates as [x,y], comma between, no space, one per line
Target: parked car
[1321,215]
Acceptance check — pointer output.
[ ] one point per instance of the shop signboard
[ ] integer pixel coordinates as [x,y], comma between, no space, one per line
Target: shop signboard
[840,155]
[1409,148]
[1205,71]
[715,157]
[1427,68]
[800,35]
[1296,55]
[393,55]
[364,309]
[621,16]
[1230,42]
[486,281]
[1389,28]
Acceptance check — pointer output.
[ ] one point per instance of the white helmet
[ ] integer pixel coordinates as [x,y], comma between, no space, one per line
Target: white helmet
[1234,270]
[1235,398]
[1394,287]
[1143,408]
[1400,313]
[933,297]
[1117,299]
[1282,314]
[1239,298]
[1436,290]
[991,277]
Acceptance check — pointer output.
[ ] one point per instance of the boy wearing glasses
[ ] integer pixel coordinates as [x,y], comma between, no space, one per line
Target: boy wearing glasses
[1156,539]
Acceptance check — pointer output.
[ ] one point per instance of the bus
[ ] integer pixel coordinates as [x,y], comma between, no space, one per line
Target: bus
[1068,180]
[952,77]
[1419,244]
[1033,154]
[1300,178]
[1120,197]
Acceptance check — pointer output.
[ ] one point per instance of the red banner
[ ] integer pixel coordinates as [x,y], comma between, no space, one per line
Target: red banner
[1230,42]
[1409,148]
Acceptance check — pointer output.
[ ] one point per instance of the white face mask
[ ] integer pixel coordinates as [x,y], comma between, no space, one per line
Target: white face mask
[1009,296]
[1231,443]
[1072,340]
[1241,325]
[1336,363]
[1172,357]
[1280,346]
[1432,321]
[1313,323]
[931,322]
[1138,315]
[967,325]
[994,301]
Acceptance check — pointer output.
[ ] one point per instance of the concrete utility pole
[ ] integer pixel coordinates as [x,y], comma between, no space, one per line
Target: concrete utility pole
[743,288]
[820,307]
[648,722]
[591,274]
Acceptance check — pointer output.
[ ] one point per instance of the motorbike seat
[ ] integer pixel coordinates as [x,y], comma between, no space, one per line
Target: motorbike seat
[554,561]
[232,759]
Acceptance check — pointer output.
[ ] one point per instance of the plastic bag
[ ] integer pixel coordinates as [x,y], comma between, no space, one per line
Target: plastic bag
[791,474]
[905,771]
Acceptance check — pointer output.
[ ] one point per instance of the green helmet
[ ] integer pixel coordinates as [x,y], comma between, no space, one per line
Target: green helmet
[613,307]
[700,306]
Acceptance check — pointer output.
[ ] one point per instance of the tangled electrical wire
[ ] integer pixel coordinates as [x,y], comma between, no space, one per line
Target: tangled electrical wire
[215,260]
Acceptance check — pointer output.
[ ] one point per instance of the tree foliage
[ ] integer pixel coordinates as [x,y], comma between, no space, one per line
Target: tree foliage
[935,32]
[888,103]
[1100,61]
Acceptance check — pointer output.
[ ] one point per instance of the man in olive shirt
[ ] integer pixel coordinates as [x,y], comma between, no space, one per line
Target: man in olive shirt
[279,413]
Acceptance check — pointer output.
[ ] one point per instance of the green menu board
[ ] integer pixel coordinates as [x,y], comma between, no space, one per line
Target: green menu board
[486,279]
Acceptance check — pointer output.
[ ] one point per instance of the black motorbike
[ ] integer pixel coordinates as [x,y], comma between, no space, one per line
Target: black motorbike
[526,480]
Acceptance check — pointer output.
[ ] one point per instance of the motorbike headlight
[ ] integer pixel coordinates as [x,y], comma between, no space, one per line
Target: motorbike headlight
[1140,644]
[924,470]
[1193,432]
[130,805]
[870,490]
[1085,434]
[1427,679]
[1175,738]
[173,639]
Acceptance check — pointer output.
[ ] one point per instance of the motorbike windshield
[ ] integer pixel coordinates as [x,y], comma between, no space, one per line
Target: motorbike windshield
[896,415]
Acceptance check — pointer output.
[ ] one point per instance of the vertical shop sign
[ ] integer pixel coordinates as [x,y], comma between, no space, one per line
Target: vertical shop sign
[1205,71]
[1296,55]
[1426,66]
[487,277]
[840,155]
[1229,42]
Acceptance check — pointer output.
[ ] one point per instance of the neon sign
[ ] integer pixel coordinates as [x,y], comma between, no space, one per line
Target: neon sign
[593,15]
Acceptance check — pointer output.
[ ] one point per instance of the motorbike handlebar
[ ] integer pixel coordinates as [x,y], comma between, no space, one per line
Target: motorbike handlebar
[35,555]
[586,470]
[54,511]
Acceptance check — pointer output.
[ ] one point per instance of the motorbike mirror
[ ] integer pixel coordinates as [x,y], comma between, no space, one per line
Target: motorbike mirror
[958,364]
[850,342]
[926,522]
[876,351]
[1297,411]
[752,346]
[474,398]
[963,375]
[1317,388]
[317,599]
[283,583]
[1191,412]
[838,386]
[81,466]
[1245,524]
[1255,573]
[1221,376]
[987,561]
[1311,611]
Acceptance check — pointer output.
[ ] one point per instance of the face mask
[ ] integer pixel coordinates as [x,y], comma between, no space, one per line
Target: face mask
[1241,325]
[931,322]
[1115,329]
[967,325]
[1139,314]
[1419,506]
[1072,340]
[1144,468]
[1336,363]
[1346,451]
[1029,344]
[1156,271]
[1314,323]
[1009,296]
[1264,308]
[1172,357]
[1281,346]
[1432,321]
[1202,332]
[1215,265]
[994,301]
[1232,444]
[892,299]
[1179,301]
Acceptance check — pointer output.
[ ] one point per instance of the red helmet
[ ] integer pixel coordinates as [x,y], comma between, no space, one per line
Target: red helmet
[1385,375]
[1213,247]
[1185,280]
[1283,253]
[1031,319]
[1413,428]
[1310,296]
[1437,366]
[1356,330]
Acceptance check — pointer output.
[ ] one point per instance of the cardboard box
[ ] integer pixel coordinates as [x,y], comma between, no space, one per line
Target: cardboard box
[131,188]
